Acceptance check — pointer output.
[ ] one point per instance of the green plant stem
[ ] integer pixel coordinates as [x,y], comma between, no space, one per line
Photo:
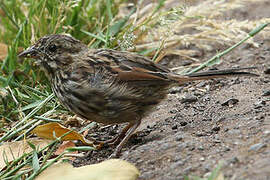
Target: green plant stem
[212,61]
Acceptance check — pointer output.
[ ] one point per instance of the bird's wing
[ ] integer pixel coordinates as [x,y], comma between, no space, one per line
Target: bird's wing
[130,66]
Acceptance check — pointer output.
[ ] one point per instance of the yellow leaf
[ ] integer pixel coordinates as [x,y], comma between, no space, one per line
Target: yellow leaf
[13,150]
[113,169]
[52,130]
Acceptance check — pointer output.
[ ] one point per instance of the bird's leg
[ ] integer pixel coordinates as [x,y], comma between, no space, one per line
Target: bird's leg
[116,139]
[131,128]
[122,134]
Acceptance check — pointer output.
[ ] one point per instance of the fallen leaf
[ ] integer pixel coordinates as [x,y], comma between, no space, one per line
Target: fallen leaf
[64,146]
[113,169]
[52,130]
[13,150]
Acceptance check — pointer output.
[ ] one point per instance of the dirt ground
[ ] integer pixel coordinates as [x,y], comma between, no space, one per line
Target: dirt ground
[204,123]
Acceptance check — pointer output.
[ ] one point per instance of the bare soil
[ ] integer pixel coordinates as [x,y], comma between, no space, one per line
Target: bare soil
[203,123]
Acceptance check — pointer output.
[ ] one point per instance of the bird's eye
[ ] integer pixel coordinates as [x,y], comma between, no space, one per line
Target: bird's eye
[52,48]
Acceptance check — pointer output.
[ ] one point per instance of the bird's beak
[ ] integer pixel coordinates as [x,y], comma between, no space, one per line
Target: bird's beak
[30,52]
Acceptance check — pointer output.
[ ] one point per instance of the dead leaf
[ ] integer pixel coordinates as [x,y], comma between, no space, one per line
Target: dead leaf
[52,130]
[13,150]
[113,169]
[3,51]
[64,146]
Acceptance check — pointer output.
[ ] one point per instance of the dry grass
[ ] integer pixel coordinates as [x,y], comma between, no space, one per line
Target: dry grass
[200,26]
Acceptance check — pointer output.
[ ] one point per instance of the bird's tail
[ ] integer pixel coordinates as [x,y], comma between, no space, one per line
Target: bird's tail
[213,74]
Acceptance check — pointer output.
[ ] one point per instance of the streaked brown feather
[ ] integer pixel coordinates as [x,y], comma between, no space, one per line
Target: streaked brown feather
[108,86]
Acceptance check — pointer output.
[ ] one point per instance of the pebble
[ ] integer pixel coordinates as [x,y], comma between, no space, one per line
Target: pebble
[174,127]
[183,123]
[230,102]
[175,90]
[200,148]
[189,99]
[267,71]
[179,137]
[259,104]
[202,159]
[200,134]
[266,93]
[233,160]
[216,128]
[257,147]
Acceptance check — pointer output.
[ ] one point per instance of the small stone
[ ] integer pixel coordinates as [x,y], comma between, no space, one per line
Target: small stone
[189,99]
[191,148]
[234,160]
[200,134]
[230,102]
[259,104]
[179,137]
[266,93]
[264,80]
[200,148]
[216,128]
[174,127]
[217,141]
[260,117]
[267,132]
[262,102]
[257,147]
[267,71]
[202,159]
[175,90]
[183,123]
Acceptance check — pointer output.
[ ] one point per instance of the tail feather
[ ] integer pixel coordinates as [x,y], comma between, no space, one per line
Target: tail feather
[227,72]
[215,74]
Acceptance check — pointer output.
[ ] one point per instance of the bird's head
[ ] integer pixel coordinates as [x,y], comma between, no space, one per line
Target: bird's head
[54,51]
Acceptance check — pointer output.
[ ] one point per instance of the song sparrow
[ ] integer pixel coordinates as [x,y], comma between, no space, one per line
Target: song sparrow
[108,86]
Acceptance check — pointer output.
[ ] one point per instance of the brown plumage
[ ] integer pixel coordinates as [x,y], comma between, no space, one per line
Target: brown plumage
[108,86]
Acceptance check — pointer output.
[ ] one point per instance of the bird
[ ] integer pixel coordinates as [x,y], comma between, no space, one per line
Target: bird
[109,86]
